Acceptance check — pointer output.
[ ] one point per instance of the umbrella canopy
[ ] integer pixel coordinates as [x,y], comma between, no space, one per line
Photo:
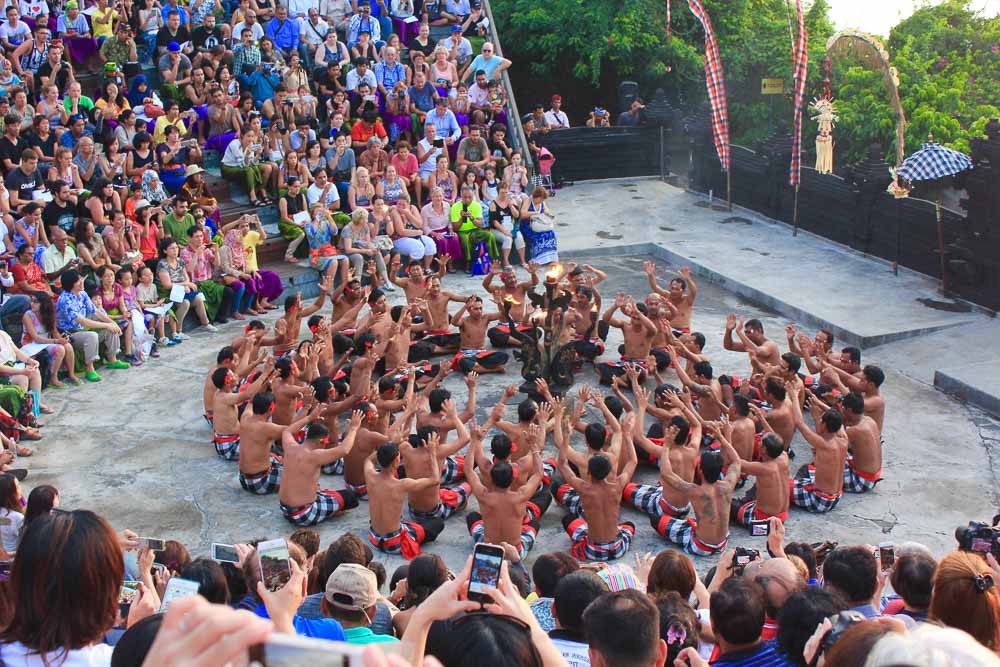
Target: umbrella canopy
[933,161]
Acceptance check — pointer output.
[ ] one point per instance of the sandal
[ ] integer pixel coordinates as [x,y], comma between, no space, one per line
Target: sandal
[24,451]
[56,385]
[76,382]
[46,410]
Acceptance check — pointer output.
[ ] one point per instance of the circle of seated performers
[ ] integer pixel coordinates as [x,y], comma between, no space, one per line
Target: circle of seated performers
[361,398]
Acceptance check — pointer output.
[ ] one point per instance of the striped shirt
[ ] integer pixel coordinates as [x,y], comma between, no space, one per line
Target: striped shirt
[765,654]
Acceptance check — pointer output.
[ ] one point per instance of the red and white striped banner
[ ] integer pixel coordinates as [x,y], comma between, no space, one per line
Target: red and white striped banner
[801,53]
[715,81]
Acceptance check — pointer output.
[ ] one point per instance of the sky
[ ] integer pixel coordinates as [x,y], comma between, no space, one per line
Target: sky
[878,16]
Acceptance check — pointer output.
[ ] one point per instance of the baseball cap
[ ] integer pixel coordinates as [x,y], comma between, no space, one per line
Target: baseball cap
[598,111]
[70,5]
[557,98]
[174,47]
[77,117]
[456,28]
[352,586]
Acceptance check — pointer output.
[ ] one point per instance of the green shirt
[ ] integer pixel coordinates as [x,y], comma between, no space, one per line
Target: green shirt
[178,228]
[365,636]
[84,105]
[475,210]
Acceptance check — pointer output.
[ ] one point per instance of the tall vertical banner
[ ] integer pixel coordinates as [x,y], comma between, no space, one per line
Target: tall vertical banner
[716,83]
[801,68]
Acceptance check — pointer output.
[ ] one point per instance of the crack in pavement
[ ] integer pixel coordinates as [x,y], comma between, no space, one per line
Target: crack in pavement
[981,421]
[883,523]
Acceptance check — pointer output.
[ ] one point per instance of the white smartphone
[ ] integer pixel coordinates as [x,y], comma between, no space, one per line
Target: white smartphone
[272,556]
[291,651]
[178,588]
[224,553]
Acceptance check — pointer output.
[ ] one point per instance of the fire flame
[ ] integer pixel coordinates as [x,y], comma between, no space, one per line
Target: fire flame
[511,300]
[554,273]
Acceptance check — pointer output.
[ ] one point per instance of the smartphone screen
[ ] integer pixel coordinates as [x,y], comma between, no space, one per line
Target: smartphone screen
[439,143]
[486,560]
[126,594]
[224,553]
[151,543]
[886,556]
[178,588]
[291,651]
[274,568]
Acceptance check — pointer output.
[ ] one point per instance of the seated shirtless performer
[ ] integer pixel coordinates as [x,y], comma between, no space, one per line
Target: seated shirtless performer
[707,532]
[472,355]
[260,470]
[863,469]
[501,449]
[514,293]
[503,505]
[387,493]
[415,283]
[286,328]
[424,454]
[763,352]
[226,424]
[638,332]
[681,295]
[769,497]
[302,502]
[600,537]
[664,500]
[226,358]
[818,487]
[437,331]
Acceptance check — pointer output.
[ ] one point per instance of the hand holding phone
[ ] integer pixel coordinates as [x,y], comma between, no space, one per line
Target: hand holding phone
[225,553]
[178,588]
[486,562]
[272,559]
[886,556]
[151,543]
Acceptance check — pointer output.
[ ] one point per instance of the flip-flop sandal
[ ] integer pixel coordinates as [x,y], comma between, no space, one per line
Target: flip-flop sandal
[46,410]
[76,382]
[52,385]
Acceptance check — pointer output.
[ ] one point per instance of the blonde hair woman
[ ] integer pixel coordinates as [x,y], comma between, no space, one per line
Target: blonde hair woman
[361,191]
[359,246]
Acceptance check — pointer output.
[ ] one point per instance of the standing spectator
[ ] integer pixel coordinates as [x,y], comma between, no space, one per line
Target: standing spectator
[635,116]
[555,117]
[604,622]
[573,595]
[966,597]
[853,573]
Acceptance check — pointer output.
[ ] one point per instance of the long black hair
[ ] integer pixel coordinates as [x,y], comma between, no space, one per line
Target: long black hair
[46,312]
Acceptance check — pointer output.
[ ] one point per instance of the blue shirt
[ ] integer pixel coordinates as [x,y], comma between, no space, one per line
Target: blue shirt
[447,125]
[317,628]
[422,98]
[369,23]
[80,25]
[458,7]
[389,76]
[181,11]
[763,654]
[284,35]
[489,66]
[71,306]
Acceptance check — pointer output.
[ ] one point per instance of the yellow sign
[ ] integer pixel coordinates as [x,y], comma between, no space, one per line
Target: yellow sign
[772,86]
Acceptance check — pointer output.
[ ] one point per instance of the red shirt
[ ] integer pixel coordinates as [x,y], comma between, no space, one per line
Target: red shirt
[360,133]
[405,169]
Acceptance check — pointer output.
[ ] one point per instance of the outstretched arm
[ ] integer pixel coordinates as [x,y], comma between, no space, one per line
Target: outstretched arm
[650,269]
[727,340]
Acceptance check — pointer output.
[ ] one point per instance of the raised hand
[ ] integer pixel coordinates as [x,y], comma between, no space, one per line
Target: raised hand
[649,268]
[471,379]
[730,321]
[510,391]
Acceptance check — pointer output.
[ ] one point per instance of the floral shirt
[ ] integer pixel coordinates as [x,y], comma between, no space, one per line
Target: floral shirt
[200,269]
[70,307]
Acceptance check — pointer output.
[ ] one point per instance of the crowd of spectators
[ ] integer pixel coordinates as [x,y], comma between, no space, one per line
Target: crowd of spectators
[111,229]
[794,606]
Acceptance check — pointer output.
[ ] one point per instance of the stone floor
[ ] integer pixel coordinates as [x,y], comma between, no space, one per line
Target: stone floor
[135,449]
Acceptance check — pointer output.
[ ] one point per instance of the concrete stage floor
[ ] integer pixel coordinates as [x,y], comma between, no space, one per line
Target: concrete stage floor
[135,448]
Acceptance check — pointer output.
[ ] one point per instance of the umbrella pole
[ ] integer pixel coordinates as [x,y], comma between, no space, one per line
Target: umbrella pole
[899,224]
[795,212]
[940,232]
[729,188]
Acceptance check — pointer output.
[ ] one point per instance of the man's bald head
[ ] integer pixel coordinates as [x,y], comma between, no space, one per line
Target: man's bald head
[779,578]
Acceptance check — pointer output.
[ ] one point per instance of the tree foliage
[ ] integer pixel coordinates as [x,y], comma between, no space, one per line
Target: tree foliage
[948,59]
